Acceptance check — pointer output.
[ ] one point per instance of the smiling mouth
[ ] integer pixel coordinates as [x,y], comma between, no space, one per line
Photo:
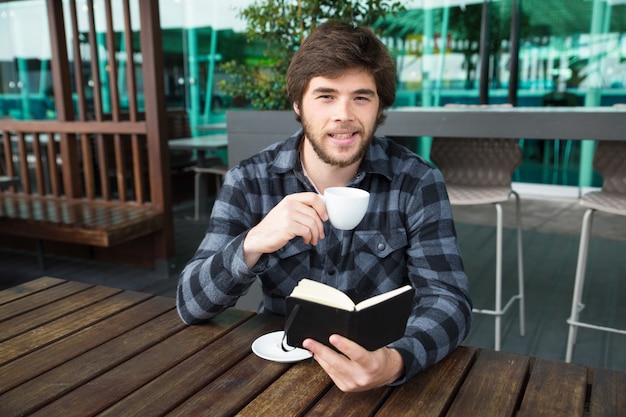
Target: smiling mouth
[343,140]
[342,136]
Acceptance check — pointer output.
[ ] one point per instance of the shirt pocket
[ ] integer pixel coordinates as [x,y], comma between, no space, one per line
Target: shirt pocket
[381,244]
[381,257]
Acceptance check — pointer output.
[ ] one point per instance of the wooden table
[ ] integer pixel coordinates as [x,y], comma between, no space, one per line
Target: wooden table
[203,145]
[74,349]
[212,127]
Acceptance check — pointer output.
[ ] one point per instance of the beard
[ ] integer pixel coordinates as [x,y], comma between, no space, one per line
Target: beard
[317,139]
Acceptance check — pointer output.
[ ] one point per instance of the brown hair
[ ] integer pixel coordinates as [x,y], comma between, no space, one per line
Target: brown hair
[335,47]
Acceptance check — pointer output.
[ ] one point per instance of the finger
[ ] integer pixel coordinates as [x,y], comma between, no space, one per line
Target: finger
[294,216]
[307,217]
[351,349]
[320,207]
[338,367]
[314,201]
[322,353]
[315,347]
[331,361]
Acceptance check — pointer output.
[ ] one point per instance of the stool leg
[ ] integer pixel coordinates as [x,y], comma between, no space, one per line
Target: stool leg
[498,307]
[520,266]
[498,311]
[579,282]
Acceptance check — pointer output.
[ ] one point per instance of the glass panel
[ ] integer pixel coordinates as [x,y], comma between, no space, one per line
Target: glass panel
[573,46]
[571,52]
[25,82]
[104,64]
[197,37]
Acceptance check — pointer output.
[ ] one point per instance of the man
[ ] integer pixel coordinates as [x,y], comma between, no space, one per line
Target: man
[270,222]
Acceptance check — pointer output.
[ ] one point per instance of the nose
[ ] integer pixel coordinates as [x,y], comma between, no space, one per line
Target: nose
[344,110]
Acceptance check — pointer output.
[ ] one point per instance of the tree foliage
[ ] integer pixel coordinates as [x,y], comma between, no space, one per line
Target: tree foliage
[280,26]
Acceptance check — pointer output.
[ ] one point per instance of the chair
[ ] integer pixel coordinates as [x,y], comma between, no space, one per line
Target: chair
[479,171]
[218,170]
[608,160]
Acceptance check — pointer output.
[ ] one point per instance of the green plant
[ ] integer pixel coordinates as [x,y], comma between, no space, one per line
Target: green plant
[279,26]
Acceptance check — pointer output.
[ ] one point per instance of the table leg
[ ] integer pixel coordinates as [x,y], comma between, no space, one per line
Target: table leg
[201,205]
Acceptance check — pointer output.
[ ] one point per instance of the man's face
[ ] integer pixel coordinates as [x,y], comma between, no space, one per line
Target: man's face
[339,116]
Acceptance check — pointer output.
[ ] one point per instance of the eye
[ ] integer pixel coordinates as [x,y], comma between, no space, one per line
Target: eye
[325,97]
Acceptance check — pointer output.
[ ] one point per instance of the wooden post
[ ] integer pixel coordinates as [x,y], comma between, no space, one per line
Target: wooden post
[154,99]
[63,101]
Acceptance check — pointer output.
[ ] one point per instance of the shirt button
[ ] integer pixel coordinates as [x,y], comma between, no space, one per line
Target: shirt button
[381,246]
[331,272]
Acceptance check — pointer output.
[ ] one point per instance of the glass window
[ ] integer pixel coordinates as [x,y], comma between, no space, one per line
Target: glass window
[570,52]
[25,81]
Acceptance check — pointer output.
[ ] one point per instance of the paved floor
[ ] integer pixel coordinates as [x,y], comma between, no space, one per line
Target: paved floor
[551,228]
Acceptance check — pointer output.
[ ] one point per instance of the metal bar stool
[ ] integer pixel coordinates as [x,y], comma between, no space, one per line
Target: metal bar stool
[608,160]
[479,171]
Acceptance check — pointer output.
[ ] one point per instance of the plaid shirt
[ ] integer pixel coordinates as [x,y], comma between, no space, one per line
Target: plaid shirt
[407,236]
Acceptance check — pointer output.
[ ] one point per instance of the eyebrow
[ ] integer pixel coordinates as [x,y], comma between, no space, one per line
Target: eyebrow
[360,91]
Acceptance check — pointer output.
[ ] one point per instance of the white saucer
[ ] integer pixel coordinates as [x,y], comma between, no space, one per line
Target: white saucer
[269,347]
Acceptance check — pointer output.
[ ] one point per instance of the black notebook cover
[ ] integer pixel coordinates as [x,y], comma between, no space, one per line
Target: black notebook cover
[373,327]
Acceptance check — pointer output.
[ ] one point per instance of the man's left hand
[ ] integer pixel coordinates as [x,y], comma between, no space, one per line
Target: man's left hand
[357,369]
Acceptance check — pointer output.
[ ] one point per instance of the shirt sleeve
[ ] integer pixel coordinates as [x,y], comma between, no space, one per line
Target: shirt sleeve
[217,275]
[441,316]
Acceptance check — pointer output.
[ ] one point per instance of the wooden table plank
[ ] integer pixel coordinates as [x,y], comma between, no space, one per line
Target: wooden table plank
[481,393]
[79,371]
[42,360]
[28,288]
[180,382]
[431,391]
[292,394]
[555,389]
[112,301]
[357,404]
[120,381]
[35,300]
[608,394]
[232,390]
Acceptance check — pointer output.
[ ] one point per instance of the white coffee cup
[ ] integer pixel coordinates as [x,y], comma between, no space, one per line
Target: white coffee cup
[346,206]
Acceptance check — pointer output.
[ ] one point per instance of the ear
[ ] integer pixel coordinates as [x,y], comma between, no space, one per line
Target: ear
[296,108]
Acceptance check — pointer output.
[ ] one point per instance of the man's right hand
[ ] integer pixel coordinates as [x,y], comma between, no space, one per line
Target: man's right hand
[300,214]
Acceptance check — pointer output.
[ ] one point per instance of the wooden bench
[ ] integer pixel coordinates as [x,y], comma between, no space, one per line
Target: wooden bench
[82,189]
[94,223]
[85,222]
